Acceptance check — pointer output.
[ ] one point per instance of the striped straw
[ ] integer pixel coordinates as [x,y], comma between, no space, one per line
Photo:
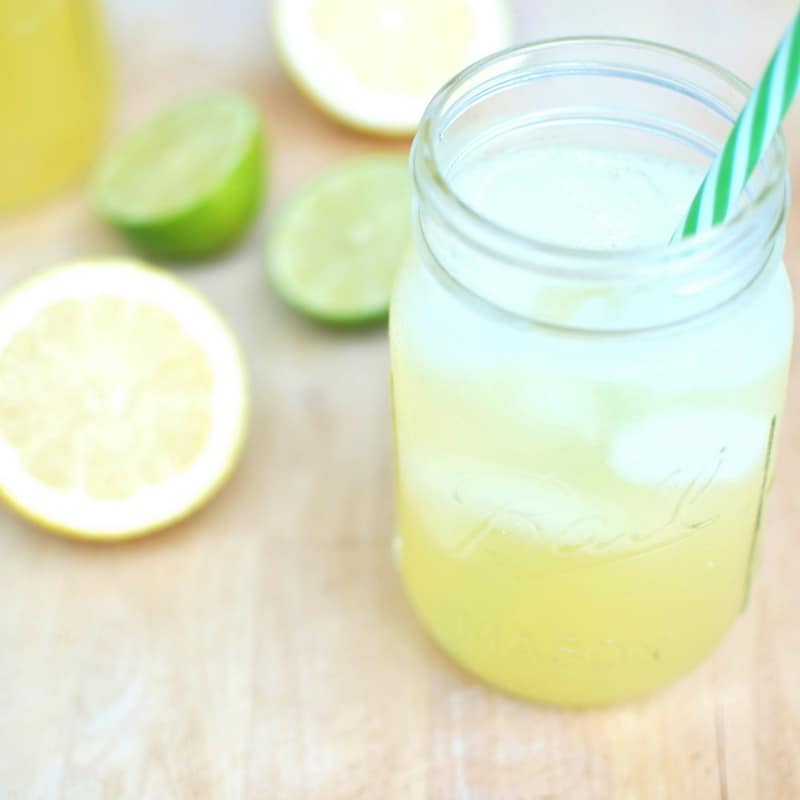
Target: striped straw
[749,139]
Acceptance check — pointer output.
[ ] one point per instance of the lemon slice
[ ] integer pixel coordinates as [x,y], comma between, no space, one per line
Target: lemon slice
[375,64]
[123,399]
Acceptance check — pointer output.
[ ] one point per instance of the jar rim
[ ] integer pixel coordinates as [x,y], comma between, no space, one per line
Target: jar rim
[589,263]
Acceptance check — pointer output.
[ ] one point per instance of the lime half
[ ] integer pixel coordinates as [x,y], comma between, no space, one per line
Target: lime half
[186,183]
[336,246]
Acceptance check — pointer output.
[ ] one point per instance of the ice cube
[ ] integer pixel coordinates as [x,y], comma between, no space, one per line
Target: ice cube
[685,446]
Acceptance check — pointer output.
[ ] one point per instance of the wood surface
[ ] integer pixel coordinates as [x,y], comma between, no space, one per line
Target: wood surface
[264,648]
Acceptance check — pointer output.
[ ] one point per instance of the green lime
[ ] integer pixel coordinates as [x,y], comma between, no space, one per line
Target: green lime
[337,244]
[186,183]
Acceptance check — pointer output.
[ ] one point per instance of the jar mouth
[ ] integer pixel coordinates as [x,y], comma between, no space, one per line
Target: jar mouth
[566,261]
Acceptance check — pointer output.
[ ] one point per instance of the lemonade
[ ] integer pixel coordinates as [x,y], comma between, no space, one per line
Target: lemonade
[53,94]
[580,481]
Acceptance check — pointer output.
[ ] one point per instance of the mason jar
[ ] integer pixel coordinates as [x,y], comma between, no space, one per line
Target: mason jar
[586,409]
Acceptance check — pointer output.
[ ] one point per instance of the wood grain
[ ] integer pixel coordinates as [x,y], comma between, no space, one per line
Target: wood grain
[264,649]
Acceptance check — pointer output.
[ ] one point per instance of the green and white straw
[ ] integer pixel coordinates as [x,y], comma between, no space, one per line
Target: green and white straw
[749,139]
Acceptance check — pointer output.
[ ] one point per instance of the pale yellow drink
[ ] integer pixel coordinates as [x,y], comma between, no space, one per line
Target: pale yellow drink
[54,77]
[579,513]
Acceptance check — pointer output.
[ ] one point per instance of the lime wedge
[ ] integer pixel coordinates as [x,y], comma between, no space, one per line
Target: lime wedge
[186,183]
[335,247]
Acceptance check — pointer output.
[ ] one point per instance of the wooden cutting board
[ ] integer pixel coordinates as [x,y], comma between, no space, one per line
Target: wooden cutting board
[264,649]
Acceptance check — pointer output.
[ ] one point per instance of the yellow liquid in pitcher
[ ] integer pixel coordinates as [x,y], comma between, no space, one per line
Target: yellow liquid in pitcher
[54,82]
[579,517]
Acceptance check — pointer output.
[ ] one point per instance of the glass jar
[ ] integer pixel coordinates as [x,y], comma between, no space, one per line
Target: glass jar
[585,413]
[54,81]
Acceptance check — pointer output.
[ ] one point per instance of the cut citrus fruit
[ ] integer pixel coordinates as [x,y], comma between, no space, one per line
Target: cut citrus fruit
[186,183]
[336,245]
[375,64]
[123,399]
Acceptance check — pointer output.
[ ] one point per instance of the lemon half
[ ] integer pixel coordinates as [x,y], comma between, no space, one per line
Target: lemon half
[123,399]
[375,64]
